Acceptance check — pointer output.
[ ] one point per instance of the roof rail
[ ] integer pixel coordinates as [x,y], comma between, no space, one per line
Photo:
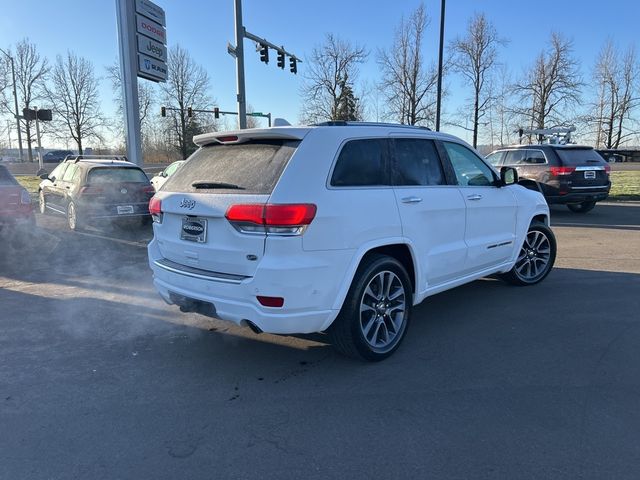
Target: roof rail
[345,123]
[77,158]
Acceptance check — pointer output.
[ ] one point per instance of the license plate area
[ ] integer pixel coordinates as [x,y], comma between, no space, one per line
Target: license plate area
[590,175]
[124,209]
[194,229]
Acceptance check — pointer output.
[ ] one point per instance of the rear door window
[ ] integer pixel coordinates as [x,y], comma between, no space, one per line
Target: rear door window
[362,163]
[117,175]
[515,157]
[69,172]
[416,162]
[253,167]
[535,157]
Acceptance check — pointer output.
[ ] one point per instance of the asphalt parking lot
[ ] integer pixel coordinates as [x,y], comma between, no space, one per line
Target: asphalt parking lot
[100,379]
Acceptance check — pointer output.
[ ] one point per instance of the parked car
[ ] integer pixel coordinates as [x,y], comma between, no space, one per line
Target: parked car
[89,189]
[158,180]
[15,202]
[339,227]
[56,156]
[576,176]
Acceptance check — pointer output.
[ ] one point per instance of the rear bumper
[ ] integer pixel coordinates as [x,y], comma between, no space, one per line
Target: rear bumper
[307,291]
[578,197]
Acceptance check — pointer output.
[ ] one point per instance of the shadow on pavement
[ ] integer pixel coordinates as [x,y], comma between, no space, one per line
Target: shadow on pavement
[616,216]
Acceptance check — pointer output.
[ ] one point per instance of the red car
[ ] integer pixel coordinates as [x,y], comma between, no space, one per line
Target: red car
[15,202]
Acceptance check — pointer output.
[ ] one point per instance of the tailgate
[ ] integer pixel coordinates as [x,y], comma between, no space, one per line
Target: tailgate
[195,232]
[591,170]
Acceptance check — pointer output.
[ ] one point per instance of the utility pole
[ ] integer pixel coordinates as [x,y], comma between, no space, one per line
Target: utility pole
[15,100]
[38,137]
[239,53]
[439,94]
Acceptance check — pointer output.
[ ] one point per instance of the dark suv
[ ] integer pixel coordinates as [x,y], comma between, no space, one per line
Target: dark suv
[56,156]
[89,188]
[573,175]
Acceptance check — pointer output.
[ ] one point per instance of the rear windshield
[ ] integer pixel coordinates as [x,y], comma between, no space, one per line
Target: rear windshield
[252,167]
[579,156]
[117,175]
[5,177]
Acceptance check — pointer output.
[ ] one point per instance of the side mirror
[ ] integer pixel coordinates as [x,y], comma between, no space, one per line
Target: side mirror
[508,176]
[44,176]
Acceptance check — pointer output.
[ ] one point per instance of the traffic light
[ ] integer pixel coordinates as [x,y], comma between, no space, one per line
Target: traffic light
[281,60]
[293,65]
[216,112]
[189,112]
[264,53]
[163,112]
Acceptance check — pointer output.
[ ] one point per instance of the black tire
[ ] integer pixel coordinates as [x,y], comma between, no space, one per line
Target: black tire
[529,268]
[583,207]
[42,203]
[74,221]
[389,316]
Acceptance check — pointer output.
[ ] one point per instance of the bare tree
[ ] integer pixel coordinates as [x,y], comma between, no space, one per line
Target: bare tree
[502,117]
[75,99]
[146,96]
[329,81]
[551,85]
[187,86]
[146,102]
[408,85]
[475,57]
[617,81]
[31,75]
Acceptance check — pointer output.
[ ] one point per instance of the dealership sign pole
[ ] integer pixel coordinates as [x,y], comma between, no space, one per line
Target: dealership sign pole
[143,53]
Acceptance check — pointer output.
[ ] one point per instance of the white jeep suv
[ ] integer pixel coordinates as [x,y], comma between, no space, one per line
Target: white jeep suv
[339,227]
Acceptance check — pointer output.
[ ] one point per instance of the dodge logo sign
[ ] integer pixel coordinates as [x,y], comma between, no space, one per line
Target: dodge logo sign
[192,228]
[186,203]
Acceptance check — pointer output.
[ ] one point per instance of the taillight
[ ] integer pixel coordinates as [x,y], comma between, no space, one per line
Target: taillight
[558,171]
[155,209]
[91,190]
[25,198]
[149,189]
[281,219]
[607,169]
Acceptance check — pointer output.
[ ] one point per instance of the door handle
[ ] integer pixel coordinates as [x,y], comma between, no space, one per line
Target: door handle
[411,200]
[67,187]
[477,196]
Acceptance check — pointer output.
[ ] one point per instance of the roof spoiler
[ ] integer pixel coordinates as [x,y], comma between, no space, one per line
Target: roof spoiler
[242,136]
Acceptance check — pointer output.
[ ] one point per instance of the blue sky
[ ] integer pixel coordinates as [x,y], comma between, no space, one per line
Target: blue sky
[88,27]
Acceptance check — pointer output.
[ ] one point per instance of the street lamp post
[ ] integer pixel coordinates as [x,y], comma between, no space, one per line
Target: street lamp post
[439,93]
[15,100]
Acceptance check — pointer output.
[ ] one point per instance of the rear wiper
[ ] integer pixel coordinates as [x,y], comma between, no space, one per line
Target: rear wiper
[216,185]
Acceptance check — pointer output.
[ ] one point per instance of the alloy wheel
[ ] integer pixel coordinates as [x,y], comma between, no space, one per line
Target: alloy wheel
[382,311]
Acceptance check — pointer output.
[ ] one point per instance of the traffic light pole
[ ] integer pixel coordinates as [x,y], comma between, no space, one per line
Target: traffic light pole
[239,54]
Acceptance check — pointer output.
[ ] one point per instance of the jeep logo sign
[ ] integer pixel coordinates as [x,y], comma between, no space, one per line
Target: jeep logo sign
[193,228]
[151,48]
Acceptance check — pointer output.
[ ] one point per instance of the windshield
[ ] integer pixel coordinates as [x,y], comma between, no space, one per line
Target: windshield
[252,167]
[579,156]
